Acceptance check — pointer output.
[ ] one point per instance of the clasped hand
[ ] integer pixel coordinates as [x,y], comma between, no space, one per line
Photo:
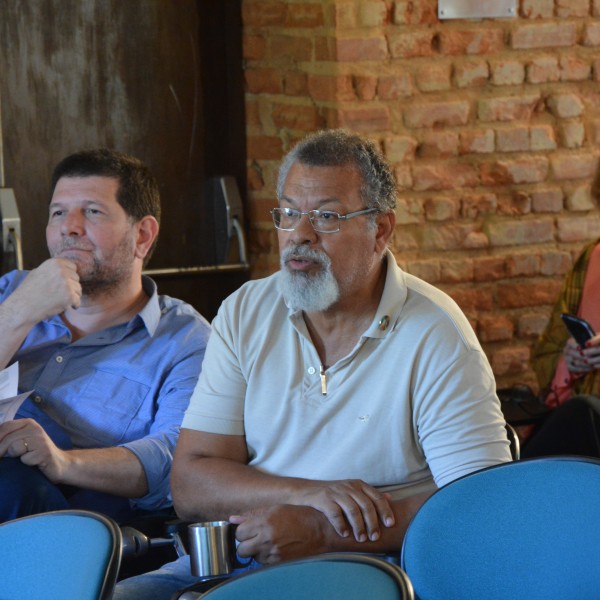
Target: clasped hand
[285,531]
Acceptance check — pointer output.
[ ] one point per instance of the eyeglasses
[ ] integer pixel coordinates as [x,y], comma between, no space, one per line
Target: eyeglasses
[322,221]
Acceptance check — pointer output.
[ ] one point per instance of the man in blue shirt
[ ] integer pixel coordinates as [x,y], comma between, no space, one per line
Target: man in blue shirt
[111,363]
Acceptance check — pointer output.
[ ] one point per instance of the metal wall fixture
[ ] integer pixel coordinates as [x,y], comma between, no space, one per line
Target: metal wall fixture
[476,9]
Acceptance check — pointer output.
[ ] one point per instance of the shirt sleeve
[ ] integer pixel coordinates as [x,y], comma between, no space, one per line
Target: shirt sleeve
[459,421]
[217,403]
[155,450]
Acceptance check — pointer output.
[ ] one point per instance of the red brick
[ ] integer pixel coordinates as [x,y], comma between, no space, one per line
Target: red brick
[423,12]
[489,268]
[531,325]
[565,106]
[572,134]
[523,294]
[295,83]
[519,233]
[361,49]
[475,205]
[263,81]
[523,265]
[543,69]
[372,13]
[537,9]
[573,68]
[544,35]
[574,165]
[337,88]
[434,79]
[345,15]
[409,211]
[512,360]
[439,144]
[577,229]
[403,175]
[507,72]
[428,270]
[290,48]
[555,263]
[580,199]
[514,202]
[264,147]
[477,141]
[399,148]
[392,87]
[495,328]
[572,8]
[441,209]
[291,116]
[533,169]
[404,240]
[547,200]
[508,108]
[254,47]
[477,41]
[305,15]
[365,87]
[456,271]
[371,118]
[471,73]
[254,178]
[476,240]
[263,14]
[472,299]
[444,176]
[512,139]
[411,45]
[542,137]
[433,114]
[446,236]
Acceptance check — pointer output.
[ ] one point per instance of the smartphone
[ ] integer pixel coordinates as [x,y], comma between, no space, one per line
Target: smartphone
[580,329]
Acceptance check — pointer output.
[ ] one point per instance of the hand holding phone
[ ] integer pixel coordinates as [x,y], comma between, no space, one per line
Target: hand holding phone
[580,329]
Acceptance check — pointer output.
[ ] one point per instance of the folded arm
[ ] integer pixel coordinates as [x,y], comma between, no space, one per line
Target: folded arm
[211,480]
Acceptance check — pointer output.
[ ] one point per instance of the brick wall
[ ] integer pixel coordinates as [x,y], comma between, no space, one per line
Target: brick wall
[492,126]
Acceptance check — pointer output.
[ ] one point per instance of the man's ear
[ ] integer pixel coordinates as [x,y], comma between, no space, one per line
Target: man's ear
[386,223]
[147,230]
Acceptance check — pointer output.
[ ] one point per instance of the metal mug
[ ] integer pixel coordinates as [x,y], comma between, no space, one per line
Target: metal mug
[212,548]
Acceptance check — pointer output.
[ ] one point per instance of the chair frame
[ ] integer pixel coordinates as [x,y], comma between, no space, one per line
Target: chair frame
[204,589]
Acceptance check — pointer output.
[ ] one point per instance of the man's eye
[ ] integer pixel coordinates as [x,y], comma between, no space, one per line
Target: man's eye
[289,212]
[326,215]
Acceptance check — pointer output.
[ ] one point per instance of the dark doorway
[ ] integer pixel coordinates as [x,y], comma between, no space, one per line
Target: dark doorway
[160,79]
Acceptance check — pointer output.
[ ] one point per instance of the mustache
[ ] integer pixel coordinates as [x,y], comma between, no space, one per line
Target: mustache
[303,252]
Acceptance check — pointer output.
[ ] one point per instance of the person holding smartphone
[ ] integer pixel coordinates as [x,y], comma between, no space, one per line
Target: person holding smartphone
[568,369]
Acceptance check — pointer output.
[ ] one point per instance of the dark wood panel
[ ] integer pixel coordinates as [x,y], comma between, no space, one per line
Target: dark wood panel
[161,79]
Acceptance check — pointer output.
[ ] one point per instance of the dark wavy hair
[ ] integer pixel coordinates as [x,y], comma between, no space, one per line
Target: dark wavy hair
[138,191]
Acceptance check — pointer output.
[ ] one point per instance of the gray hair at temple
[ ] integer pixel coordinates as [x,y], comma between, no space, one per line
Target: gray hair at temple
[341,148]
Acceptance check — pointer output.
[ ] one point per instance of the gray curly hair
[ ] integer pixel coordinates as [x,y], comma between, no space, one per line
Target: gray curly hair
[340,148]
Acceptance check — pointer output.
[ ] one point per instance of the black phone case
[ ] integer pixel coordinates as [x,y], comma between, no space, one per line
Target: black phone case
[580,329]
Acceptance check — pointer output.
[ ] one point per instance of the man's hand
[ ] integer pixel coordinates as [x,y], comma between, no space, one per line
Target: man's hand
[281,532]
[27,440]
[351,506]
[48,290]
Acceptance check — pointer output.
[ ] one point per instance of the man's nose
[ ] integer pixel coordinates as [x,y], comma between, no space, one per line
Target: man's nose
[72,224]
[304,231]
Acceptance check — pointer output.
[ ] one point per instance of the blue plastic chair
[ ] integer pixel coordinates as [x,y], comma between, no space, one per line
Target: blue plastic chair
[335,576]
[61,555]
[526,529]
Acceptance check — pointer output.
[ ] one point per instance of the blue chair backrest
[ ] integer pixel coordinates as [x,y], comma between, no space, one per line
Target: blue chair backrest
[325,577]
[527,529]
[61,555]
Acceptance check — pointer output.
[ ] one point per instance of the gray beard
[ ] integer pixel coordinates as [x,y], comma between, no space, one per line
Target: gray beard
[312,292]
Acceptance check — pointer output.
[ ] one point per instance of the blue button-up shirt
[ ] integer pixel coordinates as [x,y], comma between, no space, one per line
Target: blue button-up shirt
[126,385]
